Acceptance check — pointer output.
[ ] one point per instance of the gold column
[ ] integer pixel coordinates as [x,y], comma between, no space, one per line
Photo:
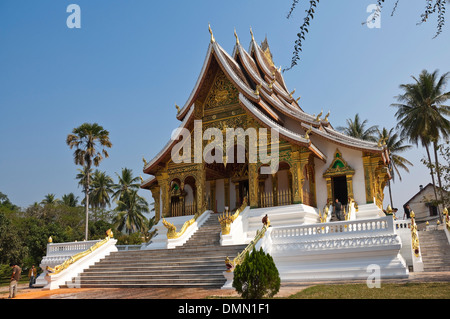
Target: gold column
[297,193]
[304,159]
[200,184]
[156,194]
[329,190]
[369,177]
[163,180]
[253,184]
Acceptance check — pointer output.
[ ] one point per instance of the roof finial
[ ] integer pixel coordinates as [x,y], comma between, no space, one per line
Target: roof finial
[212,36]
[318,116]
[251,32]
[178,109]
[235,34]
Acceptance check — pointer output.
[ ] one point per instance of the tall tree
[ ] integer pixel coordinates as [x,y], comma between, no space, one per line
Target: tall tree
[90,142]
[356,128]
[70,200]
[130,209]
[395,145]
[101,189]
[126,183]
[50,199]
[421,113]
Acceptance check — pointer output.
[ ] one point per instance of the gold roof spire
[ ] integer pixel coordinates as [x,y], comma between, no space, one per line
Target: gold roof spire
[251,32]
[212,36]
[235,34]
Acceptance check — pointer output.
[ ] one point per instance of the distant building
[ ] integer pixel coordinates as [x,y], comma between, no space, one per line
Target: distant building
[422,205]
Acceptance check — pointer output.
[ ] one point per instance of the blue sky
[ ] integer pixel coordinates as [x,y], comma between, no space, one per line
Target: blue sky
[131,61]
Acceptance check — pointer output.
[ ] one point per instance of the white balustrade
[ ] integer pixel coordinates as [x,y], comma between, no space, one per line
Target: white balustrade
[381,225]
[69,248]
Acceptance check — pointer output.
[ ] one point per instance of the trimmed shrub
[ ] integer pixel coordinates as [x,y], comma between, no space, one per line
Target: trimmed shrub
[257,277]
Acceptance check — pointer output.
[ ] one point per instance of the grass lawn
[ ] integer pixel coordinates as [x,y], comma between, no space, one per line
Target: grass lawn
[386,291]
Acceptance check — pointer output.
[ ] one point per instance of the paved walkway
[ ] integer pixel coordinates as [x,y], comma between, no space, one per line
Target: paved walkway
[189,293]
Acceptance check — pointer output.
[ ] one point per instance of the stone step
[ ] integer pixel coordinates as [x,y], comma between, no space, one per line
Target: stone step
[200,262]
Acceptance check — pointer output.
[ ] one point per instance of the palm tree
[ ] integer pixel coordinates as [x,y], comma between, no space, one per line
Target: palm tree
[86,139]
[126,183]
[421,114]
[356,128]
[101,189]
[394,146]
[50,199]
[70,200]
[130,208]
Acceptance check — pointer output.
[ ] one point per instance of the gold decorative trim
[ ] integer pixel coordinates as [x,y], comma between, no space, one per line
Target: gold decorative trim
[414,236]
[57,269]
[241,256]
[172,230]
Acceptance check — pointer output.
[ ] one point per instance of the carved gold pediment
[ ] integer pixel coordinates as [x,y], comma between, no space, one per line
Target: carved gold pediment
[338,167]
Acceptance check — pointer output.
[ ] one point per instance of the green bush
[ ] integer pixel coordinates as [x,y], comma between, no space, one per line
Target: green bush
[257,276]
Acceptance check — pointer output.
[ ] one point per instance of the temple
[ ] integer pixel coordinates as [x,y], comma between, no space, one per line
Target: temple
[247,168]
[245,90]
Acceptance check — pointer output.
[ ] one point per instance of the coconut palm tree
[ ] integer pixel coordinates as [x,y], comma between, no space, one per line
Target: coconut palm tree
[130,208]
[356,128]
[101,189]
[394,145]
[421,113]
[126,183]
[90,142]
[50,199]
[70,200]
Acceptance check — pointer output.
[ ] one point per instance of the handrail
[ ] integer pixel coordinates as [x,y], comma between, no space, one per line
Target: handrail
[172,229]
[57,269]
[446,218]
[227,218]
[414,236]
[241,256]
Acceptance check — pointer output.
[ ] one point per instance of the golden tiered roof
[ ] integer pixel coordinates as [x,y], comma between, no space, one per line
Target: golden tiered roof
[263,94]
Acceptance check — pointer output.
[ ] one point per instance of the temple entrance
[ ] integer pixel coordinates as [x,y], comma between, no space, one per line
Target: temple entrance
[340,189]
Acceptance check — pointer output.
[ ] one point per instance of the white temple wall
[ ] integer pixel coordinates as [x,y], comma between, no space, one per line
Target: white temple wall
[189,199]
[353,159]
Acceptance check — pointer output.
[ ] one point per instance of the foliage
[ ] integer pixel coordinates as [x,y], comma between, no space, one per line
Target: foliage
[257,276]
[90,142]
[431,7]
[130,209]
[356,128]
[421,115]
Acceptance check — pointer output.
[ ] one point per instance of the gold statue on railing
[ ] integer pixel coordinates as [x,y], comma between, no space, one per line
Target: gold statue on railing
[172,229]
[227,218]
[414,236]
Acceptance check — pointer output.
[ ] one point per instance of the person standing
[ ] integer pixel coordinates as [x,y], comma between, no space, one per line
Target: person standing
[32,273]
[338,208]
[15,277]
[407,211]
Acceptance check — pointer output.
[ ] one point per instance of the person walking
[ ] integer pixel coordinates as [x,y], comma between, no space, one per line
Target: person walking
[15,277]
[32,274]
